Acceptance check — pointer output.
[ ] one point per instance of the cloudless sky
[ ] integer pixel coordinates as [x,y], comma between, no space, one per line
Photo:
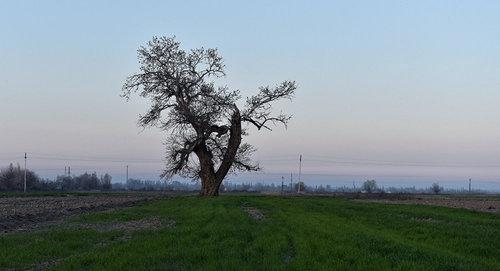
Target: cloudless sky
[385,87]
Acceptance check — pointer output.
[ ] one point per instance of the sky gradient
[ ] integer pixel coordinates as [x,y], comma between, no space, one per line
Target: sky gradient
[386,88]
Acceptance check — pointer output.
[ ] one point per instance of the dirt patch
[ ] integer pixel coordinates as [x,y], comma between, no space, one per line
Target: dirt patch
[424,219]
[129,226]
[254,213]
[26,213]
[45,265]
[482,205]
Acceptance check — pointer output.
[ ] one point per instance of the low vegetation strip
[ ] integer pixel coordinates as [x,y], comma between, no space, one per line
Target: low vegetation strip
[298,233]
[476,204]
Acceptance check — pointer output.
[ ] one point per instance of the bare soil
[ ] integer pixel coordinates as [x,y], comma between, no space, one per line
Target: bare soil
[25,213]
[129,226]
[254,213]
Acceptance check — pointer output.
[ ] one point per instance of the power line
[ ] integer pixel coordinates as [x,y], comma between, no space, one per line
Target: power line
[97,159]
[404,164]
[312,158]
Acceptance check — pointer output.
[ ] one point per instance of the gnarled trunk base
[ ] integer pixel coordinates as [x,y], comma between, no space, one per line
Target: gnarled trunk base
[210,188]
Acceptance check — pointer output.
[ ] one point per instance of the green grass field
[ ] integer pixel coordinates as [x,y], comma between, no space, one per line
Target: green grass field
[297,233]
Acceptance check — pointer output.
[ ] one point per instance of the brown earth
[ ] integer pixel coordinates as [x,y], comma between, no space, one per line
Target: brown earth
[152,223]
[25,213]
[254,213]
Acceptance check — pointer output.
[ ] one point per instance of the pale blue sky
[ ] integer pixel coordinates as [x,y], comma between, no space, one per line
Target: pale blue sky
[394,81]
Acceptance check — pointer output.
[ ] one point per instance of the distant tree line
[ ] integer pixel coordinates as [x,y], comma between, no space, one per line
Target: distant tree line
[368,187]
[83,182]
[12,179]
[148,185]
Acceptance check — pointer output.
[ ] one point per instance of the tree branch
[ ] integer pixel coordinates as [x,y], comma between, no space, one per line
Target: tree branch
[258,108]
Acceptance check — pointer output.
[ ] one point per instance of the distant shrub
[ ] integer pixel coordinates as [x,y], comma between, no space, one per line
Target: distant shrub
[300,186]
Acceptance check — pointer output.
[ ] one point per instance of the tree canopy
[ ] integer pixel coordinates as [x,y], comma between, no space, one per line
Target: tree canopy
[203,120]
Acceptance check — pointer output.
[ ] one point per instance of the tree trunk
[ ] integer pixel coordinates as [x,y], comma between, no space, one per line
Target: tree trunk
[211,180]
[210,188]
[209,185]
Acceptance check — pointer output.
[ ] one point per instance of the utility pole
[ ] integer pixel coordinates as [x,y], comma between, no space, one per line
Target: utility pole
[300,173]
[25,158]
[65,170]
[127,175]
[282,184]
[470,180]
[291,182]
[69,171]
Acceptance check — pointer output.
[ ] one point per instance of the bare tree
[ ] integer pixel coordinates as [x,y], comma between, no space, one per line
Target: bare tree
[204,122]
[369,186]
[436,189]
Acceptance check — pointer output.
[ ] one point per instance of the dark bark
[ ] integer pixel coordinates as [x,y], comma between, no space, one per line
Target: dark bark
[211,180]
